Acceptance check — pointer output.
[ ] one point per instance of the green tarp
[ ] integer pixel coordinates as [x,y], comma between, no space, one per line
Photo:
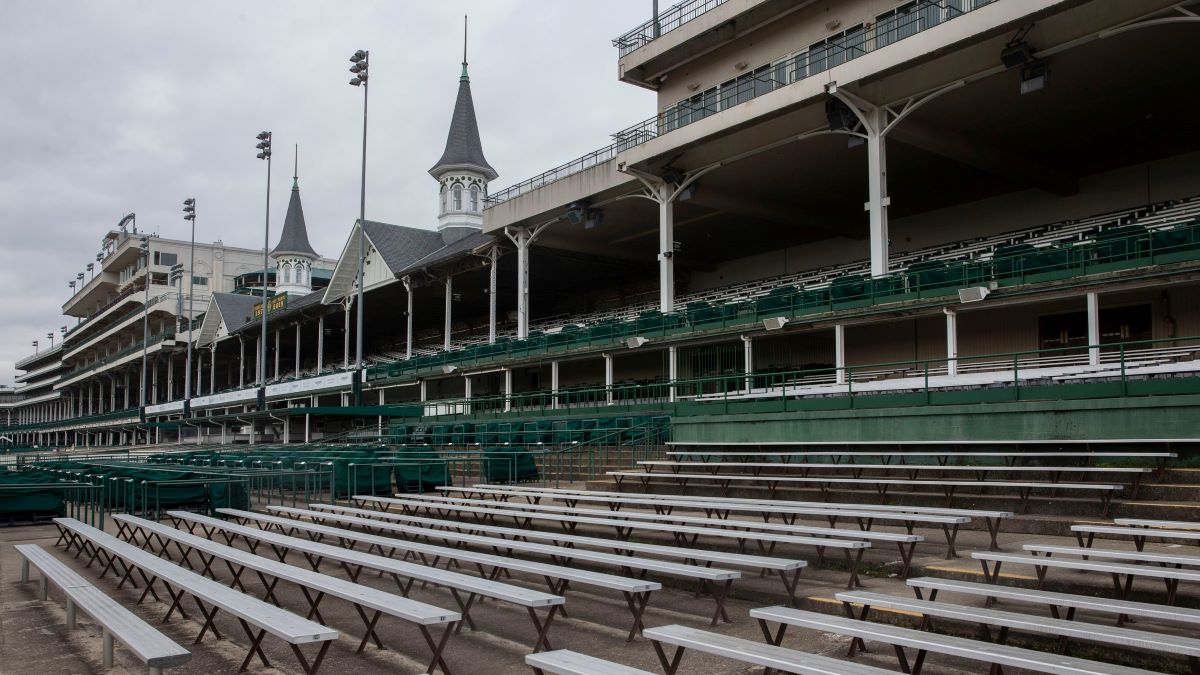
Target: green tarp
[508,465]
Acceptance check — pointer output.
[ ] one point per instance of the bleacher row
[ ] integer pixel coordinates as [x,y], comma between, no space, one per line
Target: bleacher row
[1156,234]
[531,553]
[609,430]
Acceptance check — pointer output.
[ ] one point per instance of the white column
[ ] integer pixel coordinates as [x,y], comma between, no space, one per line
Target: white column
[153,382]
[666,248]
[320,344]
[424,391]
[554,385]
[199,388]
[522,241]
[449,303]
[467,387]
[608,378]
[346,334]
[307,428]
[277,350]
[170,384]
[951,341]
[212,369]
[408,332]
[297,368]
[1093,320]
[495,259]
[507,390]
[241,362]
[878,202]
[839,352]
[748,358]
[258,368]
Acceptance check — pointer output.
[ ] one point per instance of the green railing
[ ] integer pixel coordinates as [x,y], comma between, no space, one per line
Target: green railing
[925,380]
[1112,250]
[109,358]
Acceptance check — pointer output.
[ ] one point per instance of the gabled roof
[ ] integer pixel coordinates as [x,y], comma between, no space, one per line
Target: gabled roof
[463,147]
[236,310]
[401,246]
[294,238]
[449,251]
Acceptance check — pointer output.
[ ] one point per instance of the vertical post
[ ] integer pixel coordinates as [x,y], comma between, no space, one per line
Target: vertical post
[1093,319]
[153,381]
[522,241]
[449,304]
[608,378]
[748,357]
[297,366]
[320,344]
[346,334]
[241,361]
[170,385]
[554,385]
[666,249]
[424,391]
[878,202]
[408,329]
[307,428]
[107,646]
[951,341]
[467,386]
[839,352]
[494,257]
[212,368]
[277,350]
[508,390]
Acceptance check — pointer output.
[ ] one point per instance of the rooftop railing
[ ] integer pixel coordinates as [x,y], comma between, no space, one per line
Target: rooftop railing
[665,22]
[763,79]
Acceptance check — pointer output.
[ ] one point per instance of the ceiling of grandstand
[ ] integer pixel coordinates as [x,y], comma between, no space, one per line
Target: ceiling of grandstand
[1108,103]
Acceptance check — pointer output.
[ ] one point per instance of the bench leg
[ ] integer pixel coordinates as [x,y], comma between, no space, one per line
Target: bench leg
[464,608]
[256,648]
[70,614]
[370,624]
[24,570]
[791,587]
[208,621]
[993,527]
[436,647]
[637,607]
[906,556]
[853,564]
[542,627]
[669,665]
[719,596]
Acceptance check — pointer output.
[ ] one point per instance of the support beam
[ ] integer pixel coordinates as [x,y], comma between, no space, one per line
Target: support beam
[748,361]
[672,371]
[608,378]
[494,260]
[408,315]
[554,385]
[666,248]
[1093,323]
[449,312]
[839,352]
[508,390]
[523,239]
[212,369]
[320,344]
[951,341]
[877,200]
[277,352]
[241,362]
[297,368]
[346,333]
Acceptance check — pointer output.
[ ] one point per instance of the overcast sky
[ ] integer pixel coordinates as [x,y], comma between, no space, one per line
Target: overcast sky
[119,106]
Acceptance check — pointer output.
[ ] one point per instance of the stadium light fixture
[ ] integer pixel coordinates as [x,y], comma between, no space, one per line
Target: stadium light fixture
[35,347]
[775,323]
[361,64]
[1034,76]
[72,283]
[91,268]
[50,337]
[975,294]
[264,152]
[635,342]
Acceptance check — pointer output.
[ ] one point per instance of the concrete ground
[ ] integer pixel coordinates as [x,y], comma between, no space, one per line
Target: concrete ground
[34,638]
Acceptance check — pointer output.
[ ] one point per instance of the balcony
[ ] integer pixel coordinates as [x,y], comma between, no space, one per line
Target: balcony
[666,22]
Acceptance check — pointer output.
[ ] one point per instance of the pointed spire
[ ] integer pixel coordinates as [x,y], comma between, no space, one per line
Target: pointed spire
[463,148]
[294,238]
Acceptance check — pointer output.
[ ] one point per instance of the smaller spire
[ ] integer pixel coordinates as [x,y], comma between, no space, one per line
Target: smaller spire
[464,77]
[296,169]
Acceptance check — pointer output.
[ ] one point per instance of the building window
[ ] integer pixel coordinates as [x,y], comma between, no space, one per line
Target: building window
[199,281]
[287,274]
[458,198]
[445,200]
[168,259]
[474,199]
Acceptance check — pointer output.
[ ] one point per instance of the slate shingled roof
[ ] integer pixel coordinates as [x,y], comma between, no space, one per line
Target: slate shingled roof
[294,238]
[236,309]
[463,147]
[407,249]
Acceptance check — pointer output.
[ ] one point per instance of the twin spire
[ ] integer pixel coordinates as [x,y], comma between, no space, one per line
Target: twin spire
[294,238]
[463,150]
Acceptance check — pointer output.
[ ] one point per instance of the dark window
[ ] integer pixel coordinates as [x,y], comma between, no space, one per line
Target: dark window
[168,259]
[1118,324]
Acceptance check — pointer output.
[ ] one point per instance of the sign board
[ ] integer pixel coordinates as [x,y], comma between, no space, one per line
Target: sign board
[311,384]
[275,304]
[225,397]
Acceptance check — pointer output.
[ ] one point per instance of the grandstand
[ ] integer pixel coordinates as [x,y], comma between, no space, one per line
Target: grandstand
[877,348]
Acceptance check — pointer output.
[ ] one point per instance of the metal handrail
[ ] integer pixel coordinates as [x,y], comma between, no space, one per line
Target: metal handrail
[673,18]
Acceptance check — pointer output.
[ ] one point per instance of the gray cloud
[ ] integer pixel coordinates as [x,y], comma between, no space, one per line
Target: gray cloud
[125,105]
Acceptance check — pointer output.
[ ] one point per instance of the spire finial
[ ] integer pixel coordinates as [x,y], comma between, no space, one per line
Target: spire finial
[464,72]
[296,168]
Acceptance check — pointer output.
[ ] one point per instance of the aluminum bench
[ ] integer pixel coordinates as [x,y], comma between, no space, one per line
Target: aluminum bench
[567,662]
[925,642]
[117,624]
[1064,629]
[906,543]
[1139,534]
[124,559]
[772,657]
[1115,554]
[1158,524]
[683,534]
[825,484]
[636,592]
[1041,564]
[364,598]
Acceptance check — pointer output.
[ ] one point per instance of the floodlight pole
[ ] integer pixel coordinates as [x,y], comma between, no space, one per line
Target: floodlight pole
[190,215]
[361,70]
[264,146]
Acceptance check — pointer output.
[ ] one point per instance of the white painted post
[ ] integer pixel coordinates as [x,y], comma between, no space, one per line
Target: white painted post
[424,391]
[672,371]
[241,362]
[508,390]
[494,257]
[449,309]
[346,334]
[839,352]
[408,339]
[277,351]
[320,344]
[608,378]
[554,385]
[666,249]
[71,615]
[297,369]
[108,649]
[879,201]
[212,369]
[748,366]
[1093,319]
[951,341]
